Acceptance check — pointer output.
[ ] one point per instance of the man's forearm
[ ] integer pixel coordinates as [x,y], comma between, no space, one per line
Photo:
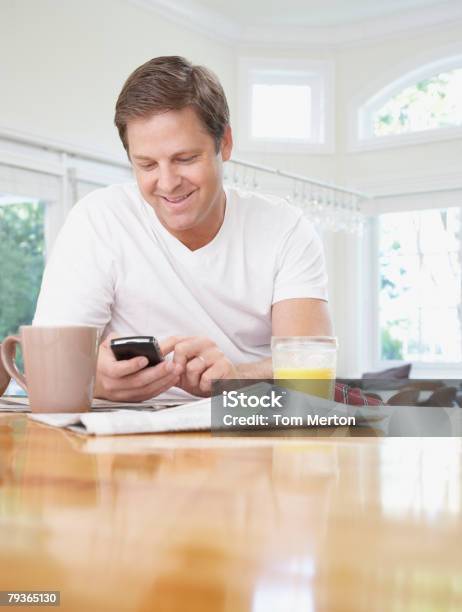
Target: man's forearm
[257,369]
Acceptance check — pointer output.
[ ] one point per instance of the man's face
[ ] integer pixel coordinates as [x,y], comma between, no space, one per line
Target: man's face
[179,172]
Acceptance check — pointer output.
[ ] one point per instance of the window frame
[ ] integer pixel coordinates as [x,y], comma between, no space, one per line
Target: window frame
[47,157]
[318,74]
[361,136]
[375,362]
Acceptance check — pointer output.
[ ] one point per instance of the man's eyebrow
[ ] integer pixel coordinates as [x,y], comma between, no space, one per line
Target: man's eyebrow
[187,152]
[141,157]
[177,154]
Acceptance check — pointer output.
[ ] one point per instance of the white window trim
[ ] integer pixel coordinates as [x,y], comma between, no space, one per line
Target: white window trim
[391,82]
[322,69]
[41,155]
[401,140]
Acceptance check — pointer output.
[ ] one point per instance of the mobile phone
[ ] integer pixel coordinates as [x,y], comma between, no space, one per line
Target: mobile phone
[137,346]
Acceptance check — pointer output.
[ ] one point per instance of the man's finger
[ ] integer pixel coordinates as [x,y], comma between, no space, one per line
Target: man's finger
[146,392]
[217,371]
[150,390]
[197,365]
[137,382]
[167,345]
[189,348]
[150,375]
[133,372]
[120,369]
[194,368]
[211,355]
[106,343]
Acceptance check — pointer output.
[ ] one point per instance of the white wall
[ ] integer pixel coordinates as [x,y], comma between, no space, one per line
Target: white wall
[63,64]
[394,169]
[359,69]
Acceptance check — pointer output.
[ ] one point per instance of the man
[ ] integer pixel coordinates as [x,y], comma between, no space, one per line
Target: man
[211,273]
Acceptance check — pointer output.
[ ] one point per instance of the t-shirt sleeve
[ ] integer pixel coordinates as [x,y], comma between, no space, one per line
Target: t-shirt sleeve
[79,279]
[300,269]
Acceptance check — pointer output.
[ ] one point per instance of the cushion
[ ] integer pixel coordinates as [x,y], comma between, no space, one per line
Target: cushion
[399,372]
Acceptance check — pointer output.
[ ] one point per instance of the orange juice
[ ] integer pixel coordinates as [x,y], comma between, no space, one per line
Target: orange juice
[305,363]
[305,373]
[314,381]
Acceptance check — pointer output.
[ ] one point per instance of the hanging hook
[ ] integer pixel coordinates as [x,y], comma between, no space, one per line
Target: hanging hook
[236,174]
[254,179]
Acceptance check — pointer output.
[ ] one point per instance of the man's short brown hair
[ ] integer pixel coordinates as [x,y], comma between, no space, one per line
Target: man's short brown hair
[172,83]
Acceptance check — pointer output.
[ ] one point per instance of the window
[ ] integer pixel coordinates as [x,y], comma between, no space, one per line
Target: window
[39,183]
[431,103]
[22,257]
[420,312]
[268,99]
[286,105]
[28,212]
[422,105]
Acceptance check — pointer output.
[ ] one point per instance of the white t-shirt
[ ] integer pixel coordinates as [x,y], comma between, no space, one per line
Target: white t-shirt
[115,266]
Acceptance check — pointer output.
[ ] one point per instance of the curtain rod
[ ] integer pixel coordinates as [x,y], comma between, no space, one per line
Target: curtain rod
[87,154]
[299,177]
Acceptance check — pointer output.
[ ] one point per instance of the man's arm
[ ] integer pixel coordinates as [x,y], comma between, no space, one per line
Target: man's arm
[300,270]
[295,317]
[202,361]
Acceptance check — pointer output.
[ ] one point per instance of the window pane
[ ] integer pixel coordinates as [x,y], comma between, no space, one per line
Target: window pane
[281,111]
[431,103]
[420,285]
[21,262]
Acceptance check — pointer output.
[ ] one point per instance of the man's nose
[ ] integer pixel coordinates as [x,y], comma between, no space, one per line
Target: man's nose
[168,180]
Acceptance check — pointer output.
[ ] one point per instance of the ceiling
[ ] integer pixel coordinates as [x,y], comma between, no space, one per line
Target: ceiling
[310,13]
[332,23]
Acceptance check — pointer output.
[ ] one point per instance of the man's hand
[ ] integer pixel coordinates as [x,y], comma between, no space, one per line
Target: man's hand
[201,361]
[130,380]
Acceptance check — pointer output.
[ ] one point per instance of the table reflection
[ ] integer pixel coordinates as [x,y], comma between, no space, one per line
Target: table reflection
[276,524]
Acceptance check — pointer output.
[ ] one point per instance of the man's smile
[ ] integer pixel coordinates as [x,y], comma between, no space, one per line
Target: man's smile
[178,201]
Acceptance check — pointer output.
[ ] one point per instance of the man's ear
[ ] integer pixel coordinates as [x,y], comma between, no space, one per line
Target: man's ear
[226,145]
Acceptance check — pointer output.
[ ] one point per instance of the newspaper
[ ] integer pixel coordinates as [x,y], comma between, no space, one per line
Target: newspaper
[20,403]
[13,403]
[193,416]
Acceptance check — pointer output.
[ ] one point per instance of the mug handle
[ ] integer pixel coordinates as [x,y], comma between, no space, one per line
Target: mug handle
[4,376]
[9,363]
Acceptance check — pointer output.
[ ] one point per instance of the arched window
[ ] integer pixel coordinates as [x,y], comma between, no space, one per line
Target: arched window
[431,103]
[422,105]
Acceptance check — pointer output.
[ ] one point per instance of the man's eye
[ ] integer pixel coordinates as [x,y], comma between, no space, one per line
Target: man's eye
[185,160]
[148,167]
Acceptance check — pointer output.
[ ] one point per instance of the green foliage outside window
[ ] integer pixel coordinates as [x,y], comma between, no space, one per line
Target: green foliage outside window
[430,103]
[21,263]
[392,348]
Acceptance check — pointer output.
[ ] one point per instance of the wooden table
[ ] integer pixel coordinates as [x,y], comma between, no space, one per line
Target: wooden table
[194,523]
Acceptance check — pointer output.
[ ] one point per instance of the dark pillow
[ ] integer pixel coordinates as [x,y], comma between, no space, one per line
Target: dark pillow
[399,372]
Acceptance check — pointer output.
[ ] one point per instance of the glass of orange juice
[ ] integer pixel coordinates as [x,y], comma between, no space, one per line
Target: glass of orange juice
[305,363]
